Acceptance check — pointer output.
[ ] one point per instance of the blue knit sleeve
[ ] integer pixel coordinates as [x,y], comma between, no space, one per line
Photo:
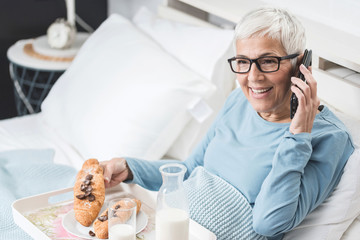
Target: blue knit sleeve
[304,172]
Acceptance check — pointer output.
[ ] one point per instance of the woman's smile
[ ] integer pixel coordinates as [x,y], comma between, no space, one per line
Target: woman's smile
[260,92]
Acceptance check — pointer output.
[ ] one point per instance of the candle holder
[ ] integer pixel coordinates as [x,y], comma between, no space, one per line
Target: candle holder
[61,34]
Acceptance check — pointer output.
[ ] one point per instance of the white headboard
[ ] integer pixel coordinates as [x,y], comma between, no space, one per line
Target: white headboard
[336,60]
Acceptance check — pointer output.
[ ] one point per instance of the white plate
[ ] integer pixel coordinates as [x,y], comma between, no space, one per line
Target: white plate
[75,228]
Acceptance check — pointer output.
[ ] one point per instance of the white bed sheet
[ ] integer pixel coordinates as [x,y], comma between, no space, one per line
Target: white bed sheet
[31,132]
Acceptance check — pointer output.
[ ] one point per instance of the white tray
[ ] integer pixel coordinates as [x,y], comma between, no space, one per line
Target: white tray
[63,199]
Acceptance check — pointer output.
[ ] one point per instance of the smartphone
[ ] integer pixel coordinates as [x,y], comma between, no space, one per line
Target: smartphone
[307,59]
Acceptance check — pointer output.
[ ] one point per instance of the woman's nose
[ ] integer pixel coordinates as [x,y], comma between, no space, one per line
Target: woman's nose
[254,73]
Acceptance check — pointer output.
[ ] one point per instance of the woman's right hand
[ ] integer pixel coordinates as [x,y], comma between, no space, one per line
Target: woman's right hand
[309,102]
[115,171]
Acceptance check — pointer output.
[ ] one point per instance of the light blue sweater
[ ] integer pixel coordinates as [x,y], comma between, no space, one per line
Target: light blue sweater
[283,176]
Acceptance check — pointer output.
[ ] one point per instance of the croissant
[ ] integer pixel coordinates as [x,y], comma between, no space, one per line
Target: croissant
[101,223]
[89,192]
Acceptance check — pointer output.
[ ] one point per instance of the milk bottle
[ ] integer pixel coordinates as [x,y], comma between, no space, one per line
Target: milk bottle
[172,212]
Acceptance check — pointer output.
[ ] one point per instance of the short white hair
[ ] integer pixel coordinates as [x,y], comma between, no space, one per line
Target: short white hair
[275,23]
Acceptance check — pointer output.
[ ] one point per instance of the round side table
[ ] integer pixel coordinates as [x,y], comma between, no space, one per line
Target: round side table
[34,68]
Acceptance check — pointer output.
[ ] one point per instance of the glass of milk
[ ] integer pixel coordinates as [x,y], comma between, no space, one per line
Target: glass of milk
[122,219]
[172,212]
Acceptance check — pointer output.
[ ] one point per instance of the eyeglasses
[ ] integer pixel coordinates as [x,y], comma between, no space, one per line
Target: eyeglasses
[265,64]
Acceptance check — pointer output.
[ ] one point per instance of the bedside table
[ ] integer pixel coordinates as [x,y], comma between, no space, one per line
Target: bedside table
[34,68]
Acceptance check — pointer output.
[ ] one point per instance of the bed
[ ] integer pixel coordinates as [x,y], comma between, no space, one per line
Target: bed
[150,85]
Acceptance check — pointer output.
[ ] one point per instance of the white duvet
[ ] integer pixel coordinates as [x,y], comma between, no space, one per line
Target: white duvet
[31,132]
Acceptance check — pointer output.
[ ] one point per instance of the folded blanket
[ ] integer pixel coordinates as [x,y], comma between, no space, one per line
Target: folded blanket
[24,173]
[219,207]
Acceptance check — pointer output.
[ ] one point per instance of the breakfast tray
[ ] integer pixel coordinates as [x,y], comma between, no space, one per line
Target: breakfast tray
[41,216]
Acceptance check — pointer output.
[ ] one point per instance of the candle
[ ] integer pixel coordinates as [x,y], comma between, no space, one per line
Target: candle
[70,7]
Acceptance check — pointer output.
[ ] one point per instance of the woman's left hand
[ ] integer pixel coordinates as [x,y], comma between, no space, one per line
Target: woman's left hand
[308,102]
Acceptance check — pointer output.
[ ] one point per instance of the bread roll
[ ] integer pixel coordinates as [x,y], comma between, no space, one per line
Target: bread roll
[89,192]
[101,223]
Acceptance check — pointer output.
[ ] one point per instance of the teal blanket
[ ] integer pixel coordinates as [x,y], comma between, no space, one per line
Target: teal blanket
[24,173]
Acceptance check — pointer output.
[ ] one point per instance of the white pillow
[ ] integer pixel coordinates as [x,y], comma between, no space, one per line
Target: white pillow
[351,124]
[123,95]
[203,49]
[330,220]
[353,232]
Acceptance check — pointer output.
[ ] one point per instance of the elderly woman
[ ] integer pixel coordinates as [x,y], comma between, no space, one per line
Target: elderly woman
[283,167]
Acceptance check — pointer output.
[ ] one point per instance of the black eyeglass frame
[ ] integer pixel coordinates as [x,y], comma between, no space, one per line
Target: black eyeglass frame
[291,56]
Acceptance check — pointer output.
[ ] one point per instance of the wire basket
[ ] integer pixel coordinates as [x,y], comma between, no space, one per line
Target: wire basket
[31,86]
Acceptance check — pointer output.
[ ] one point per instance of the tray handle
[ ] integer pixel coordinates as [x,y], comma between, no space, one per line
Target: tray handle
[42,200]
